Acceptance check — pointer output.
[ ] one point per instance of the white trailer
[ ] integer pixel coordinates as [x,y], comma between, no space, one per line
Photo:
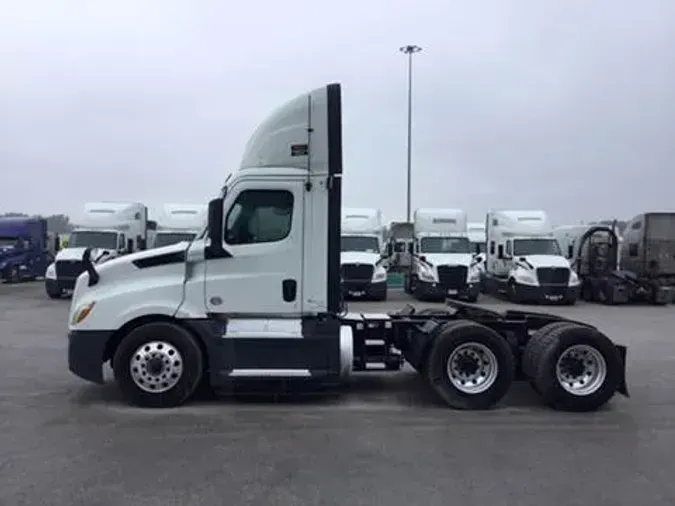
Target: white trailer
[524,259]
[109,229]
[177,223]
[240,306]
[361,261]
[443,263]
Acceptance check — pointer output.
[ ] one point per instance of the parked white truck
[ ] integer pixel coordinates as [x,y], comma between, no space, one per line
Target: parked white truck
[257,298]
[362,269]
[177,223]
[524,259]
[110,229]
[443,263]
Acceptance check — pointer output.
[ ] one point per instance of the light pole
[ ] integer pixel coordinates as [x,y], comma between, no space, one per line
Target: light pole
[410,51]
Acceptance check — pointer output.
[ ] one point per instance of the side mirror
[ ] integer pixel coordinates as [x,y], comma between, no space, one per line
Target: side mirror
[57,243]
[215,229]
[411,248]
[390,249]
[570,251]
[500,252]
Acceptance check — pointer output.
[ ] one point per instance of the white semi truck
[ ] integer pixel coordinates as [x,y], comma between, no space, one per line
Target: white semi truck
[257,298]
[110,229]
[177,223]
[524,259]
[443,263]
[478,246]
[362,269]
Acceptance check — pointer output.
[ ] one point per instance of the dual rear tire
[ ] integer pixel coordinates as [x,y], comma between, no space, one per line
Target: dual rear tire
[572,367]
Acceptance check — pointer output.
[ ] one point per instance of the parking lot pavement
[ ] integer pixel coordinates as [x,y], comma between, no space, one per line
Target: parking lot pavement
[385,441]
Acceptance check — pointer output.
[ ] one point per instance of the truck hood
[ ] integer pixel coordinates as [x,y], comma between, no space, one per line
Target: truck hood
[546,261]
[448,258]
[359,257]
[97,254]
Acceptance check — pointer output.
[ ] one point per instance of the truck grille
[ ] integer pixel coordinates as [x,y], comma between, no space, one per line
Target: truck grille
[357,272]
[553,275]
[69,268]
[452,276]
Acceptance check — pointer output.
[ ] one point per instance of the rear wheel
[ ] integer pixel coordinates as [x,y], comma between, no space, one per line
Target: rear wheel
[574,368]
[158,365]
[470,366]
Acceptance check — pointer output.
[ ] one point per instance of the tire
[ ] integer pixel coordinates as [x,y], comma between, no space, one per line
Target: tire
[591,346]
[459,336]
[158,339]
[406,284]
[53,293]
[534,346]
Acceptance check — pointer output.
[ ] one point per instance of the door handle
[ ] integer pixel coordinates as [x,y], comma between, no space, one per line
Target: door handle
[289,289]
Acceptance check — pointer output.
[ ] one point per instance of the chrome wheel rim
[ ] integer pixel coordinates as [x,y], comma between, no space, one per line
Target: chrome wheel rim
[472,368]
[156,367]
[581,370]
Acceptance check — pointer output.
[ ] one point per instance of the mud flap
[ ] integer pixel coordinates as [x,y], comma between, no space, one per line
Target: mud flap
[623,387]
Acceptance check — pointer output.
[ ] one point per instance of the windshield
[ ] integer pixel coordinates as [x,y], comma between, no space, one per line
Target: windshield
[445,245]
[478,247]
[522,247]
[8,241]
[367,244]
[92,239]
[164,239]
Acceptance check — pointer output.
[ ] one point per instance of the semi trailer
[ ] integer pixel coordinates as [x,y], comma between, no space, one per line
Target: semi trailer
[110,229]
[593,251]
[443,263]
[362,269]
[177,223]
[524,260]
[242,306]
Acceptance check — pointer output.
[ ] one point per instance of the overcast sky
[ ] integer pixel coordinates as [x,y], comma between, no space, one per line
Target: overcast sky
[567,106]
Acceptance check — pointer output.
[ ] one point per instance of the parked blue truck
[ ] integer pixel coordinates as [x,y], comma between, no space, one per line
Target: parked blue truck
[25,249]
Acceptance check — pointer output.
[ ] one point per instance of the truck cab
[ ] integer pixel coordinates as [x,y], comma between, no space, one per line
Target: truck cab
[261,285]
[178,223]
[109,229]
[24,248]
[524,259]
[443,264]
[361,261]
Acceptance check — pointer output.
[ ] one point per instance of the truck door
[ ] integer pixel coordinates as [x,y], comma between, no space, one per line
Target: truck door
[262,276]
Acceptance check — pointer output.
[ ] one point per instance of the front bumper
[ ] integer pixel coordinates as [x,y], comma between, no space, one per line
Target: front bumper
[430,290]
[362,288]
[547,293]
[86,349]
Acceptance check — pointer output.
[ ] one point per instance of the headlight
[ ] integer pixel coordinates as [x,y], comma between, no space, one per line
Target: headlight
[379,275]
[51,272]
[526,278]
[474,276]
[574,279]
[426,274]
[82,312]
[3,264]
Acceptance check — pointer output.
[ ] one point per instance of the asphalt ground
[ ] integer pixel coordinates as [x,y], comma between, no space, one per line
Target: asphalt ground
[385,441]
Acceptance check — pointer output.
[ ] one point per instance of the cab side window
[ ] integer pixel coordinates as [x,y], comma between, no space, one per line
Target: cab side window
[259,216]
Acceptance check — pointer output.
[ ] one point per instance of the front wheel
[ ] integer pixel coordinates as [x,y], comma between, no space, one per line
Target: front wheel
[512,292]
[158,365]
